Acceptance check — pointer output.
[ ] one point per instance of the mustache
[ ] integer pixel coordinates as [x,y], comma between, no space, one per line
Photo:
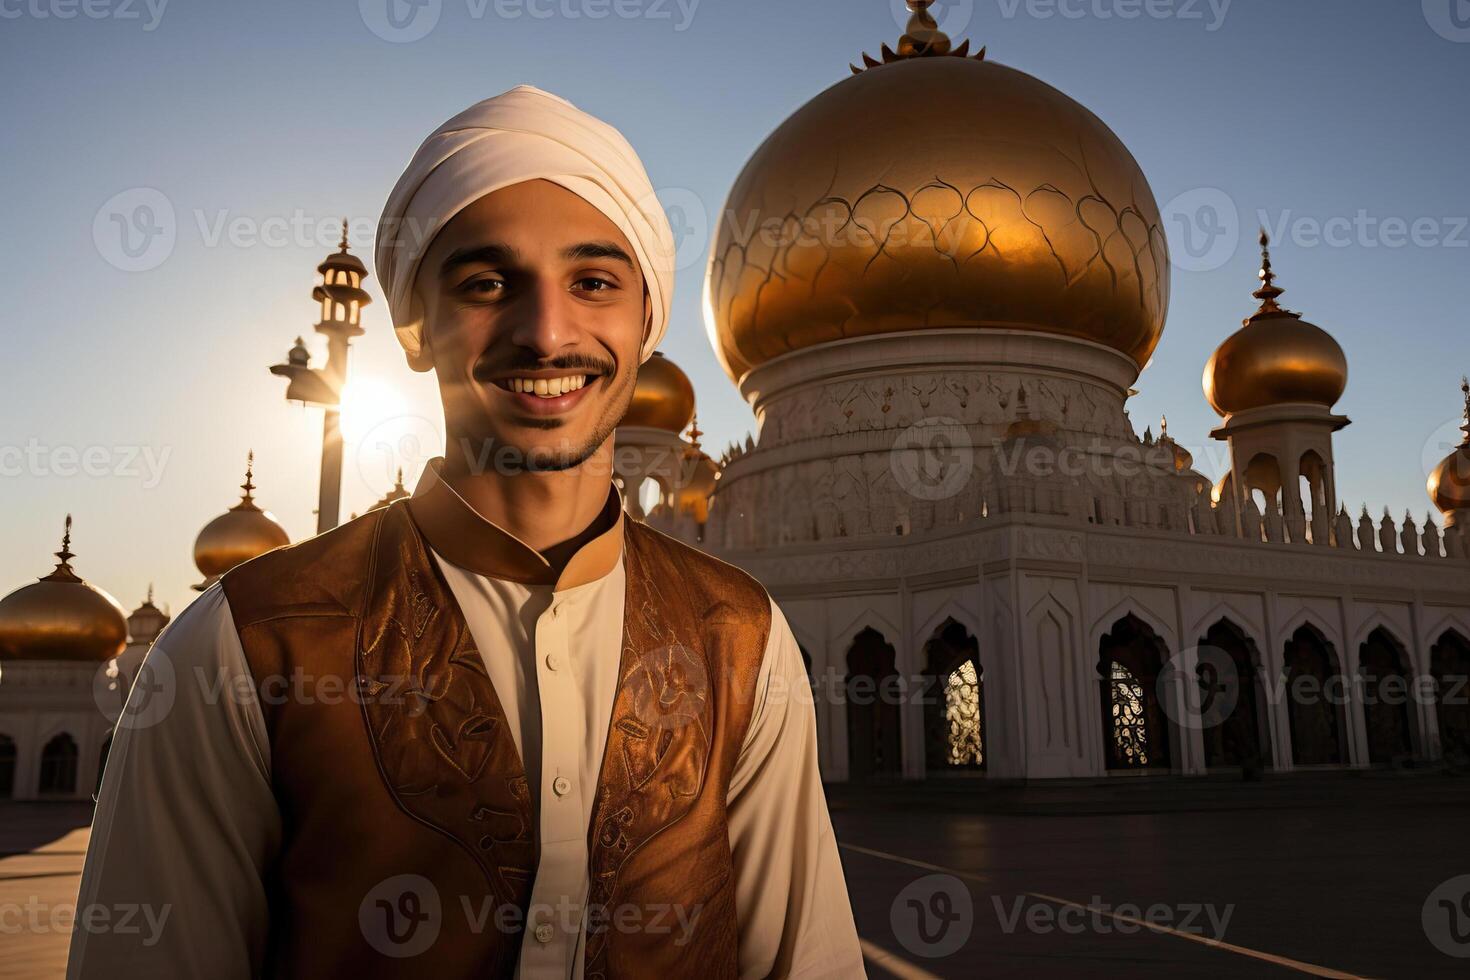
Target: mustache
[489,365]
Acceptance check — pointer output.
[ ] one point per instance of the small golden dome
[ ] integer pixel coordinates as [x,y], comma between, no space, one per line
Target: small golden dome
[1183,458]
[933,191]
[61,617]
[663,398]
[147,621]
[693,497]
[1275,358]
[239,534]
[1449,484]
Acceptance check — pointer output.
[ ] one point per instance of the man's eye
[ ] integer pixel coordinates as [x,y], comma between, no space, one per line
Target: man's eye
[484,287]
[593,284]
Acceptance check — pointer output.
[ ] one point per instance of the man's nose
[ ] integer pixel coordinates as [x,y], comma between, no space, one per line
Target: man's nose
[543,320]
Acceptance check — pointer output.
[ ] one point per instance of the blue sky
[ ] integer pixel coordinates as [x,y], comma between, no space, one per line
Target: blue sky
[132,395]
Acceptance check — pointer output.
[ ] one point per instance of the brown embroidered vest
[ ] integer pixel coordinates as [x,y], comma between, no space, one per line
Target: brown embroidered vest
[408,844]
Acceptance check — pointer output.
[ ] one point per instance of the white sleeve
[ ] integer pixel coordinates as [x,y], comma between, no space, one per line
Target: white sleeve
[186,822]
[791,898]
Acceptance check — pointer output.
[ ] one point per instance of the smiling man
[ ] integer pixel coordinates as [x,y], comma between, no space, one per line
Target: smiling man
[498,729]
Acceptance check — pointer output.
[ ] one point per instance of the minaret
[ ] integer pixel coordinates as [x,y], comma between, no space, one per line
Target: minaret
[1275,381]
[342,298]
[1449,484]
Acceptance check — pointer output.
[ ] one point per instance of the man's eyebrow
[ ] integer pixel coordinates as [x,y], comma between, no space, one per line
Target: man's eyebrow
[493,253]
[598,250]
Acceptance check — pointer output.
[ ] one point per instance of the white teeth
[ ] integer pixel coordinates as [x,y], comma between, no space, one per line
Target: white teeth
[547,387]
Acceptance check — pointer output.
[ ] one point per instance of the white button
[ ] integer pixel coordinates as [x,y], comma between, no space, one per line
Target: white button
[561,786]
[553,662]
[543,933]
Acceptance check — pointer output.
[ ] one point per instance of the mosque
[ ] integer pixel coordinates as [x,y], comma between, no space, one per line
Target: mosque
[990,573]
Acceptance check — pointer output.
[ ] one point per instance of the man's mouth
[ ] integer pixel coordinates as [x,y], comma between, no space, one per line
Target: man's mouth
[547,392]
[552,387]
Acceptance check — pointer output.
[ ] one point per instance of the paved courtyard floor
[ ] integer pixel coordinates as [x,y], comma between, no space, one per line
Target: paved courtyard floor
[1332,875]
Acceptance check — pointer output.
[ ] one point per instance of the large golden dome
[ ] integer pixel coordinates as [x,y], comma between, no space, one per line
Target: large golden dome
[61,617]
[1449,484]
[663,398]
[1276,358]
[238,535]
[932,192]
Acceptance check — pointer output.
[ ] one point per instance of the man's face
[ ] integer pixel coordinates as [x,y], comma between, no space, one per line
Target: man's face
[534,318]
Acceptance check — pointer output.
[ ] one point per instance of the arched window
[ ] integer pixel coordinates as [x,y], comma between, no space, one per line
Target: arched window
[58,767]
[1233,731]
[7,767]
[1385,687]
[954,702]
[873,739]
[1449,663]
[1135,728]
[1315,692]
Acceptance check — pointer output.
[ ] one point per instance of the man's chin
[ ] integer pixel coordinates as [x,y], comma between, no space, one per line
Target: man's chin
[525,453]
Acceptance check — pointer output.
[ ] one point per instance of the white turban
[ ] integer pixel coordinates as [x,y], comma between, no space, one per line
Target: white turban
[520,135]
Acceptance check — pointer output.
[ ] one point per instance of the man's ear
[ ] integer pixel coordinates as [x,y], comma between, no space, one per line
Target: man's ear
[647,321]
[423,361]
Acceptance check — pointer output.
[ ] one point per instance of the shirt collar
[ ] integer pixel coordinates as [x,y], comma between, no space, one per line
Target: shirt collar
[461,535]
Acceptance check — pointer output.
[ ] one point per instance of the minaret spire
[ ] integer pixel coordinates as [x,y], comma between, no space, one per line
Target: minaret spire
[922,38]
[342,245]
[1465,425]
[1269,291]
[63,571]
[247,499]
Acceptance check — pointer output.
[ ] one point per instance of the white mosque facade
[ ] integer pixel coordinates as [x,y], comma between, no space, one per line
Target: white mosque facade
[938,317]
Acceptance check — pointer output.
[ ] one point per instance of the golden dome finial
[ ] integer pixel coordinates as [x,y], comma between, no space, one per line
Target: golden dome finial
[1465,425]
[695,432]
[342,245]
[1269,291]
[247,500]
[63,571]
[149,600]
[921,38]
[1163,426]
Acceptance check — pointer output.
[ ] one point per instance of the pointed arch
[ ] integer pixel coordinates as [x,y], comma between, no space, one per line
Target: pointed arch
[953,609]
[1231,671]
[874,736]
[1316,691]
[1449,666]
[1130,606]
[1136,732]
[1223,609]
[954,699]
[1384,672]
[1310,618]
